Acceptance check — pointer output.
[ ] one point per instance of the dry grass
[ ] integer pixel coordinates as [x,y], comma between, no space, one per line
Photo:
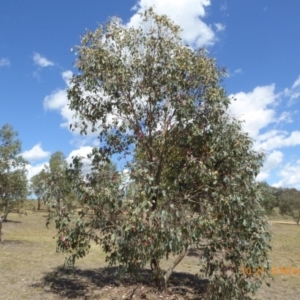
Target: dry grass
[285,254]
[30,268]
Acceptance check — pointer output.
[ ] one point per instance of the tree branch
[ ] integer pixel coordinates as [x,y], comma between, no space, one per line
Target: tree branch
[175,263]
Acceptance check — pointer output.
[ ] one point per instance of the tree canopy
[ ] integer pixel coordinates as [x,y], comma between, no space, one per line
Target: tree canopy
[289,203]
[13,182]
[160,106]
[270,197]
[37,185]
[51,185]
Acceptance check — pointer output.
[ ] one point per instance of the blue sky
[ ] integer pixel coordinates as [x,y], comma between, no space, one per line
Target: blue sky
[258,41]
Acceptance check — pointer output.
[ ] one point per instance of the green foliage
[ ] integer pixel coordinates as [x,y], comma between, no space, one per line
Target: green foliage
[160,105]
[289,203]
[269,196]
[57,163]
[13,182]
[38,185]
[56,189]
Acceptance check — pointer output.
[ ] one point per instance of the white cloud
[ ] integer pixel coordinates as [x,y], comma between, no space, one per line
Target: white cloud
[285,116]
[186,13]
[290,176]
[234,73]
[273,160]
[296,83]
[255,108]
[33,170]
[224,6]
[220,27]
[292,93]
[35,153]
[260,111]
[82,152]
[4,62]
[67,75]
[41,61]
[58,100]
[267,135]
[37,168]
[237,71]
[278,139]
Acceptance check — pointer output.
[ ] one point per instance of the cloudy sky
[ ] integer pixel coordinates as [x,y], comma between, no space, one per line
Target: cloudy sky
[257,41]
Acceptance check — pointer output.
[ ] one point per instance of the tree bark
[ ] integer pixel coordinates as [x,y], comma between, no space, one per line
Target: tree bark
[161,280]
[175,263]
[1,234]
[5,214]
[157,274]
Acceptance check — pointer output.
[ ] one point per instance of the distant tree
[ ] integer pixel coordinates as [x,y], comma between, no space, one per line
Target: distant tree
[276,192]
[57,163]
[269,196]
[13,182]
[289,203]
[160,105]
[57,190]
[38,186]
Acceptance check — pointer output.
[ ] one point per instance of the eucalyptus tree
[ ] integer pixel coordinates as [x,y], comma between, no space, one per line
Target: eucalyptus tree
[289,203]
[160,106]
[56,189]
[37,186]
[13,182]
[269,195]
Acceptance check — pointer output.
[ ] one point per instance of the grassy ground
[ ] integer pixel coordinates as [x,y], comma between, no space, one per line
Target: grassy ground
[285,254]
[30,268]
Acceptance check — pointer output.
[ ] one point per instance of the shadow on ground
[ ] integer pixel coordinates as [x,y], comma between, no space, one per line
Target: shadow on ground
[103,283]
[196,252]
[11,242]
[11,221]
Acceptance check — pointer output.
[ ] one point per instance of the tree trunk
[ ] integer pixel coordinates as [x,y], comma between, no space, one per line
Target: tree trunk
[5,214]
[179,258]
[39,204]
[1,234]
[157,274]
[161,280]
